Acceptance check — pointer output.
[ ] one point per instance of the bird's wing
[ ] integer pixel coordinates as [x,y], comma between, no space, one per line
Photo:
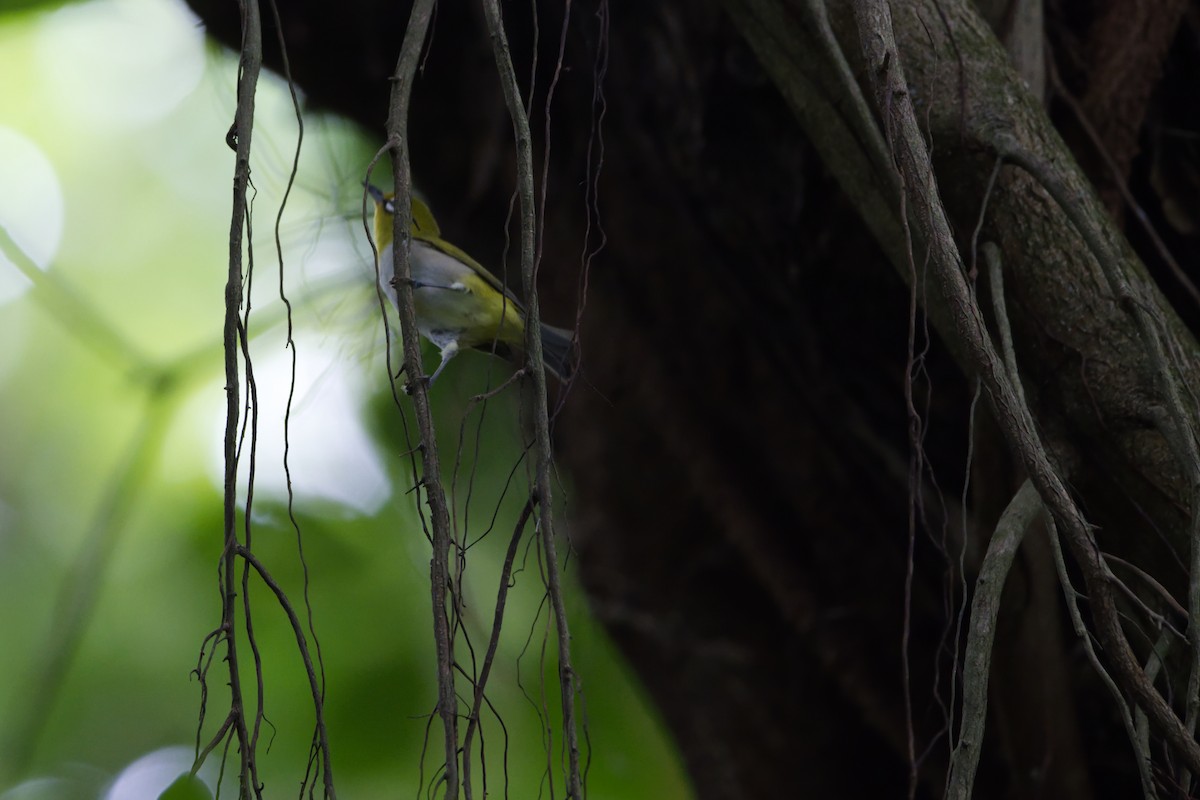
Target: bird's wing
[475,266]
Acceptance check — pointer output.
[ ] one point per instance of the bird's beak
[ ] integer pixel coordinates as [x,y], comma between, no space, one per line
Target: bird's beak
[375,192]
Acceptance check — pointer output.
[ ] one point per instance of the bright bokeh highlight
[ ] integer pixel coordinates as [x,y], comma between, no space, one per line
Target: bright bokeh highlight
[31,209]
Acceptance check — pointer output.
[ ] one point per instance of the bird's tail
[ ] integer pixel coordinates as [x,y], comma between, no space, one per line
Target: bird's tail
[557,351]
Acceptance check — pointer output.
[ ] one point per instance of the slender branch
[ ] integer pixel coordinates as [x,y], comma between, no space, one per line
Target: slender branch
[217,738]
[1002,549]
[493,643]
[1010,531]
[320,733]
[250,427]
[302,645]
[995,271]
[239,138]
[1141,725]
[1064,579]
[536,398]
[430,480]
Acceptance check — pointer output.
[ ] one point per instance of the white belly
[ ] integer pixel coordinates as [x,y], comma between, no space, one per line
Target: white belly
[443,305]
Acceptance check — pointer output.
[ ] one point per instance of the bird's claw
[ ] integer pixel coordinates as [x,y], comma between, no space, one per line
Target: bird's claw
[407,386]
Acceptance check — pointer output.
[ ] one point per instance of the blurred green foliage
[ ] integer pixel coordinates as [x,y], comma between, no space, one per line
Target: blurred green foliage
[113,252]
[12,7]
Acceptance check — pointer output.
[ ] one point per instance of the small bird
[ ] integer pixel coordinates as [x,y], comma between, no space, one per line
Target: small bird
[458,303]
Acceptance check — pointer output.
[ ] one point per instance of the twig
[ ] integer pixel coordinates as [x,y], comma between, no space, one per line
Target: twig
[431,480]
[1150,581]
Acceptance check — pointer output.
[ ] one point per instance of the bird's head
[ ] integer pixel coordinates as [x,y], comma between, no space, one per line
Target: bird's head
[424,226]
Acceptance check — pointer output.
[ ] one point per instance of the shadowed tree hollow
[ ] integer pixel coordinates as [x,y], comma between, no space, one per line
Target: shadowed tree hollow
[892,313]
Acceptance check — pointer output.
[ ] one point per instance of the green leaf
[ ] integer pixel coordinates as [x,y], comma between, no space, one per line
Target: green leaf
[186,787]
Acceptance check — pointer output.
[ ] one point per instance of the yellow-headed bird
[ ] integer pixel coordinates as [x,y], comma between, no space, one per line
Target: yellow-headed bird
[457,302]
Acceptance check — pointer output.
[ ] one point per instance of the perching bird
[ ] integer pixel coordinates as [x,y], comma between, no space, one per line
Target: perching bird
[457,302]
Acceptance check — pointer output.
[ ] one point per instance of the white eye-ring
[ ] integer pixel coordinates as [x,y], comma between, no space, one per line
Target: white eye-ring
[389,206]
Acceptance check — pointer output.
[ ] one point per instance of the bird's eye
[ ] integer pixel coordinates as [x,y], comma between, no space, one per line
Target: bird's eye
[389,206]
